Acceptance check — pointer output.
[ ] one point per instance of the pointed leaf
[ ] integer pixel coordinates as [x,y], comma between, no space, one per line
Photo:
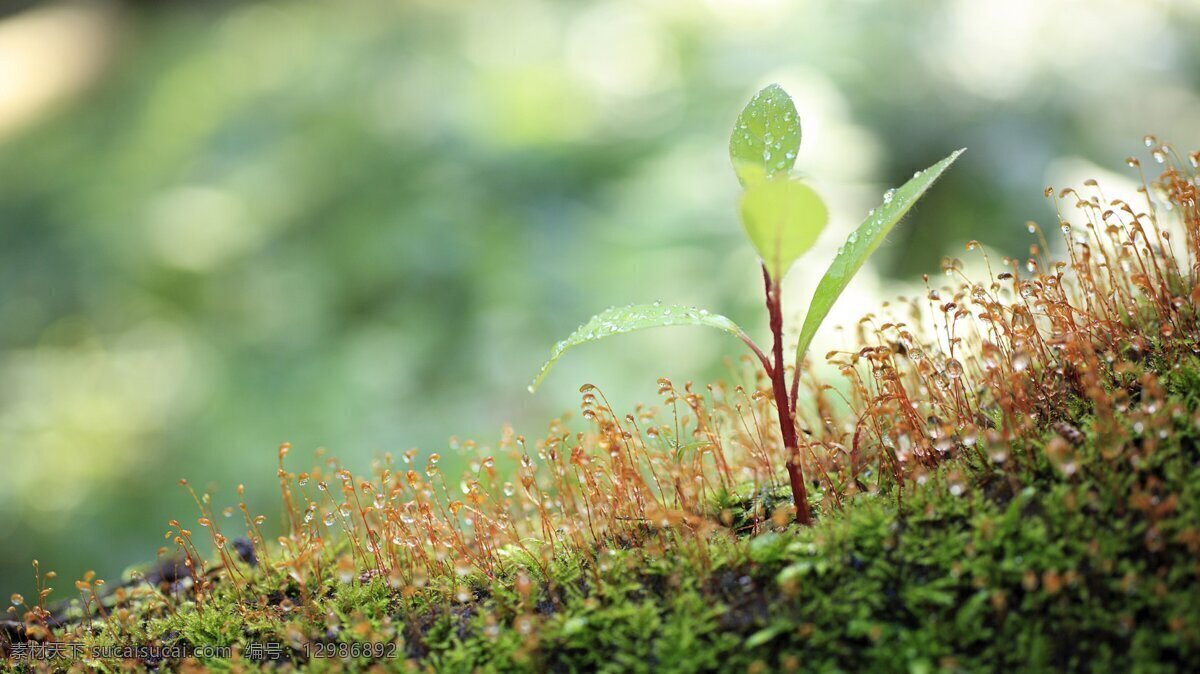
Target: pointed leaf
[619,320]
[766,134]
[861,243]
[783,219]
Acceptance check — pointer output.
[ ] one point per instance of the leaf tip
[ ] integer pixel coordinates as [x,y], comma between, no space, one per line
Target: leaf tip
[537,381]
[773,88]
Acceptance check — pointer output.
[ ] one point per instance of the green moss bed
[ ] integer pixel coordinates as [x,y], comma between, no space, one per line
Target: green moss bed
[1060,571]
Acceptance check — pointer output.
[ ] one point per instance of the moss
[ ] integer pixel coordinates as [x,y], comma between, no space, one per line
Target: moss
[1064,573]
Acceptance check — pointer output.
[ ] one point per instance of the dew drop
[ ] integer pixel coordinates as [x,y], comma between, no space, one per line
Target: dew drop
[954,369]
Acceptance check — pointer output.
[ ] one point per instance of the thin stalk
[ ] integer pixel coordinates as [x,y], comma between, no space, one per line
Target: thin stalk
[787,423]
[762,357]
[796,381]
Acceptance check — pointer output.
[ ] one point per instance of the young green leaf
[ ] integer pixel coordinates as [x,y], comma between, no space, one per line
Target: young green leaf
[783,219]
[619,320]
[861,243]
[766,136]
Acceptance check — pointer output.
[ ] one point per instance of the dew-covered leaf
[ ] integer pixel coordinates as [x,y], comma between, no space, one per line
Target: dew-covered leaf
[766,135]
[783,219]
[862,242]
[619,320]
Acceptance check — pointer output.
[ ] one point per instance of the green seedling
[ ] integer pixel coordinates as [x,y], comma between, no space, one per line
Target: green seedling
[782,217]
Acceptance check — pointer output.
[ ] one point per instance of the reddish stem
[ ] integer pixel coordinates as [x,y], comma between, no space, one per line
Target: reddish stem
[787,423]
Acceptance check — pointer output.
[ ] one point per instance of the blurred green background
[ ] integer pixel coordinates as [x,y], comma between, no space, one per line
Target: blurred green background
[361,225]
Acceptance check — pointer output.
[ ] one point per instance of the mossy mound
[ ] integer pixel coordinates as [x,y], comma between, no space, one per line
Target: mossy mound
[1091,568]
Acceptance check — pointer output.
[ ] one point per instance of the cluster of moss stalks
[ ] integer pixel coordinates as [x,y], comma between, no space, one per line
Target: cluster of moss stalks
[1021,496]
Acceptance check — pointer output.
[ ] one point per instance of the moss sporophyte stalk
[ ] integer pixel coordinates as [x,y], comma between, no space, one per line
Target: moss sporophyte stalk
[1003,478]
[782,217]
